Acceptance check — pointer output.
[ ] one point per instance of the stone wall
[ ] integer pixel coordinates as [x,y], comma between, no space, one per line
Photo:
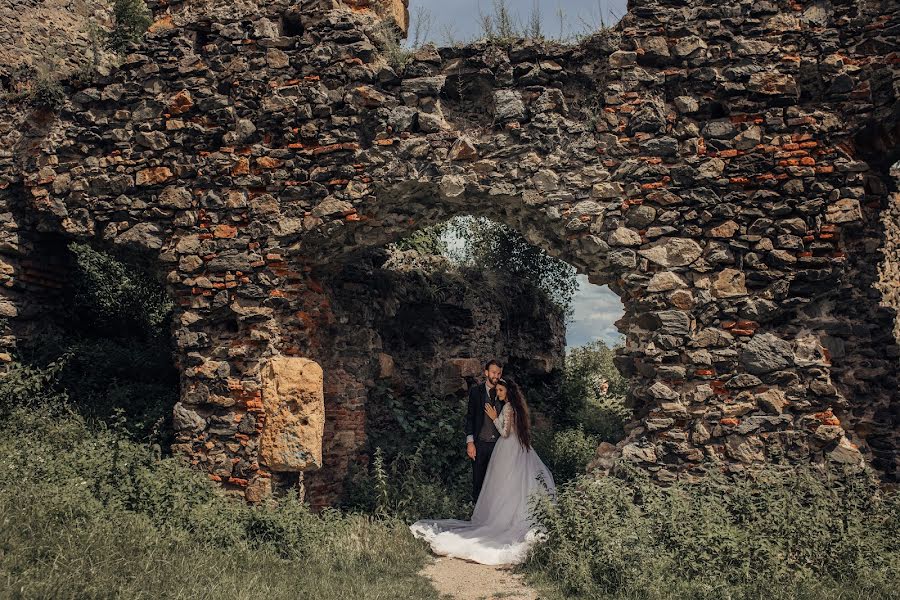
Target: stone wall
[720,165]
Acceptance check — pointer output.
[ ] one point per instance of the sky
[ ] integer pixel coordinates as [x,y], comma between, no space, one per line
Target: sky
[595,308]
[458,20]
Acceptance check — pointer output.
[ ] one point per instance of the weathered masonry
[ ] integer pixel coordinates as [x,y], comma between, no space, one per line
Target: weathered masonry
[723,166]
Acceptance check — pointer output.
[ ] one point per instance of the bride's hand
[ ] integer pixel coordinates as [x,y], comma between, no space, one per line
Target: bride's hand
[490,411]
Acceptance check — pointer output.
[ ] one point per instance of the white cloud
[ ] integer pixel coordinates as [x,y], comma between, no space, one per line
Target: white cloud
[595,309]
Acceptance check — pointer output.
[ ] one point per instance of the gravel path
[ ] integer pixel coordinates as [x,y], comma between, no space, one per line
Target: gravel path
[463,580]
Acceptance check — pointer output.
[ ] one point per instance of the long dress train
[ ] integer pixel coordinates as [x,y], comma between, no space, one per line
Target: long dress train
[501,530]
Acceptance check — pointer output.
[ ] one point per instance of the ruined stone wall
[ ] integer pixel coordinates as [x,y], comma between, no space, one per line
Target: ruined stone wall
[712,162]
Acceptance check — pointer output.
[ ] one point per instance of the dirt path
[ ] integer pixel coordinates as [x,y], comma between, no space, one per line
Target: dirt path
[463,580]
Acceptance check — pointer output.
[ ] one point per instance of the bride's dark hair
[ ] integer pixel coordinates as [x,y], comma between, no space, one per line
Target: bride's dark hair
[515,397]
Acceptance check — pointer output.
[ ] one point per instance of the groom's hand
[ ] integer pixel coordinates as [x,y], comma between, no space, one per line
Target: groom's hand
[470,450]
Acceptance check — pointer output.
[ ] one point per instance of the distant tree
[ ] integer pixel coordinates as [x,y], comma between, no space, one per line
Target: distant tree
[591,373]
[427,240]
[493,246]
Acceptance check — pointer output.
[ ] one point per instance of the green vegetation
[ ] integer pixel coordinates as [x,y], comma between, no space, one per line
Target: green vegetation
[418,467]
[590,409]
[92,509]
[88,513]
[593,392]
[788,533]
[389,37]
[481,244]
[109,345]
[38,85]
[428,240]
[492,246]
[131,18]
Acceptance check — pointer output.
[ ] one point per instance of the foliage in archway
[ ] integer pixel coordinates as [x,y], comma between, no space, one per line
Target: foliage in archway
[109,347]
[486,245]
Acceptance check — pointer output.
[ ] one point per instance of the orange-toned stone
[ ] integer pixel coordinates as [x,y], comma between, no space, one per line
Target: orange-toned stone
[267,162]
[163,24]
[225,231]
[180,103]
[153,175]
[242,167]
[827,417]
[294,400]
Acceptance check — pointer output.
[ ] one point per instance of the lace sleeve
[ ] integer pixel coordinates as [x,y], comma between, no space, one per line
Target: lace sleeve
[504,420]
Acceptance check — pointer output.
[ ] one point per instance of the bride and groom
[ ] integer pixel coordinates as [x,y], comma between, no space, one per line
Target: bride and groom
[506,472]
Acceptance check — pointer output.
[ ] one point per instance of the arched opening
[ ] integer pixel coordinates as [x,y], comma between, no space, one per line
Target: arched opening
[419,296]
[97,325]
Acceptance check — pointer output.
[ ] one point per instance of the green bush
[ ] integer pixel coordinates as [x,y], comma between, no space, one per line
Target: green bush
[89,513]
[584,402]
[131,18]
[788,533]
[496,247]
[404,490]
[418,467]
[116,297]
[109,349]
[566,453]
[604,418]
[46,92]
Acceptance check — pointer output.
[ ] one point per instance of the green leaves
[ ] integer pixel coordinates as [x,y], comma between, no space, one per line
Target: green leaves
[89,513]
[131,20]
[782,533]
[566,453]
[418,468]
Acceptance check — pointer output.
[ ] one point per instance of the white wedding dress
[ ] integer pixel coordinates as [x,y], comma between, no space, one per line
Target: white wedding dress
[501,530]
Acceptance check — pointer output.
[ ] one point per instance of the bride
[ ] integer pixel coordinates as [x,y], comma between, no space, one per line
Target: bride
[501,530]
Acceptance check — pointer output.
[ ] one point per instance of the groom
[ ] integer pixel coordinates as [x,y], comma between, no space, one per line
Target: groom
[481,435]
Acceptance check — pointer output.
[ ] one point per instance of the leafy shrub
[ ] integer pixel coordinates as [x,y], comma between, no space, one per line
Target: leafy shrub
[116,298]
[497,247]
[602,413]
[426,240]
[46,92]
[88,512]
[418,468]
[403,489]
[110,348]
[566,453]
[131,18]
[778,533]
[604,418]
[24,386]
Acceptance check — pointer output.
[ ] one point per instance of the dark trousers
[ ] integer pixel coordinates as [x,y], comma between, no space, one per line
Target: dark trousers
[483,452]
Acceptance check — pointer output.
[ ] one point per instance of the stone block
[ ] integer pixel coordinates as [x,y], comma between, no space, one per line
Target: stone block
[294,401]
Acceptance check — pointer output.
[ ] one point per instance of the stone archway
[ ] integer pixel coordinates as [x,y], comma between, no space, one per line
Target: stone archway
[699,159]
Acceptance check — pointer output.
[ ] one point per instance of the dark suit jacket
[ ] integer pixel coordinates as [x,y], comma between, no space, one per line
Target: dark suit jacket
[478,397]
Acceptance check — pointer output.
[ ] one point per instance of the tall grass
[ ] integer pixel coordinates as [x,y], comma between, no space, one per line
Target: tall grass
[87,513]
[782,533]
